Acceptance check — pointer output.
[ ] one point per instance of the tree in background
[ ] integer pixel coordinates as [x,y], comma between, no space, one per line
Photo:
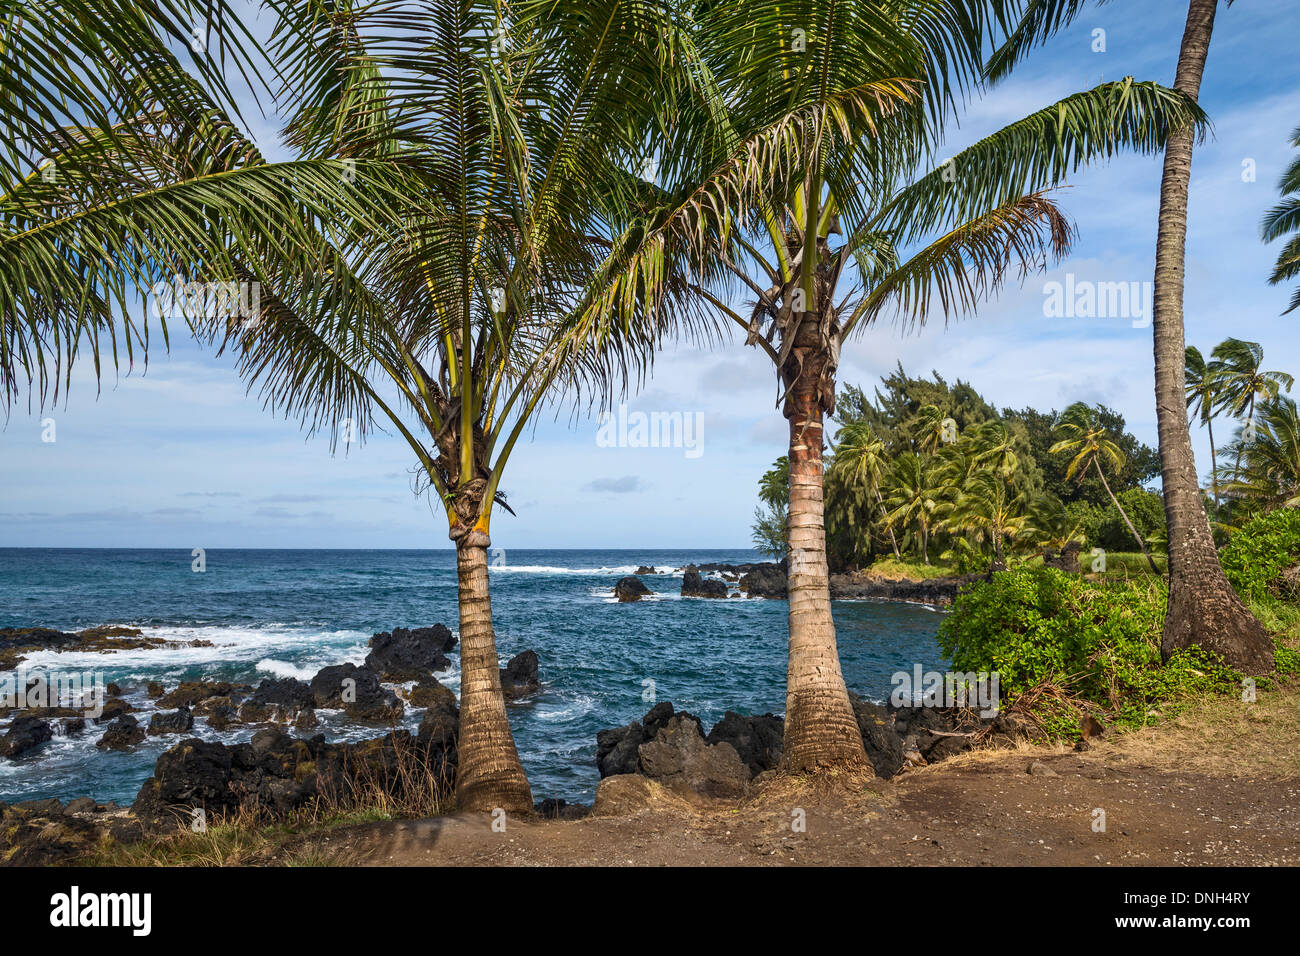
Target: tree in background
[1084,439]
[1267,475]
[1203,388]
[1242,380]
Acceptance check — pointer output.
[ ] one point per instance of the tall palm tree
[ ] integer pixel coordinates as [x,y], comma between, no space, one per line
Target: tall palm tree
[1080,434]
[859,457]
[1284,219]
[425,263]
[1242,380]
[1203,388]
[1203,608]
[791,171]
[74,76]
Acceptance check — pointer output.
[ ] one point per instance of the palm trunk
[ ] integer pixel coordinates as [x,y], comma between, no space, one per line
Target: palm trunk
[884,514]
[1124,514]
[1214,465]
[821,731]
[999,562]
[1203,608]
[489,774]
[925,541]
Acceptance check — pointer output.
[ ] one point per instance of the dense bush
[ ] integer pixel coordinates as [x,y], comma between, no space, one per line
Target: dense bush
[1097,640]
[1259,552]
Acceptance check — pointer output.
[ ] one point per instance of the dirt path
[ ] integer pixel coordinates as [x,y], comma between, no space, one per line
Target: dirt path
[978,809]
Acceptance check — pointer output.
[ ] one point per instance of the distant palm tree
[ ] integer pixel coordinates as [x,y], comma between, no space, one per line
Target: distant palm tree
[988,506]
[1268,475]
[1204,392]
[1203,608]
[860,457]
[915,492]
[1283,220]
[1242,380]
[930,430]
[1080,434]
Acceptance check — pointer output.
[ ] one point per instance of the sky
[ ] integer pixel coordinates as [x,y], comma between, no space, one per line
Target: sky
[179,456]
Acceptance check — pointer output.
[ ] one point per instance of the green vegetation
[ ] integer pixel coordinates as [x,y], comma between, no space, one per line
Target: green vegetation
[932,474]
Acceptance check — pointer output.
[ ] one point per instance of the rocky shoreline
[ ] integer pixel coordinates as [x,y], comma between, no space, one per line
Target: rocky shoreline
[768,580]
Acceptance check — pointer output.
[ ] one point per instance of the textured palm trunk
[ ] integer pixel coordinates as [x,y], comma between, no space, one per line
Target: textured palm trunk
[489,774]
[821,731]
[1214,464]
[1203,608]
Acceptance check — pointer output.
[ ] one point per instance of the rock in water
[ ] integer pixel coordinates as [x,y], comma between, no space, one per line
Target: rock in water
[695,585]
[122,734]
[765,581]
[519,676]
[630,588]
[24,734]
[646,569]
[357,692]
[404,655]
[177,722]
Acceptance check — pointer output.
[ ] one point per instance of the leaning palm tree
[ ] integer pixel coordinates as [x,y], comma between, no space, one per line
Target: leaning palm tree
[424,265]
[1203,608]
[1284,220]
[859,459]
[74,77]
[808,120]
[1203,388]
[1242,380]
[1080,435]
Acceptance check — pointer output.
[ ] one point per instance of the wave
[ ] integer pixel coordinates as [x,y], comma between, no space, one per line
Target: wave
[551,569]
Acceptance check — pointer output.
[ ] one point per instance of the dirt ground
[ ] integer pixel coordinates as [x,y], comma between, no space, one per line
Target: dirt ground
[1219,787]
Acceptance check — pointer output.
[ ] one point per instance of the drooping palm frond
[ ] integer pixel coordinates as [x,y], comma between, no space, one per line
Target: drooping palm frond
[1284,220]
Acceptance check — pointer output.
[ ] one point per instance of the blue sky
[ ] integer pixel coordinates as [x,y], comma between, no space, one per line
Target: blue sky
[179,456]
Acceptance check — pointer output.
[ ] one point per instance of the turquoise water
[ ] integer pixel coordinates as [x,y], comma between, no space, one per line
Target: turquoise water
[278,613]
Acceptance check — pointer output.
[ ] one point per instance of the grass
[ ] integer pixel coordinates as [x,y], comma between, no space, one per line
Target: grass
[895,569]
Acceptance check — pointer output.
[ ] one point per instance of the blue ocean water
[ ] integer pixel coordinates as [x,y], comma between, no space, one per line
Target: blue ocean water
[290,613]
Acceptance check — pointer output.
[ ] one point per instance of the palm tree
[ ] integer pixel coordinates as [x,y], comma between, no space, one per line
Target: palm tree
[1203,608]
[76,76]
[1284,219]
[916,491]
[930,429]
[988,506]
[807,120]
[1202,386]
[1242,381]
[859,458]
[1268,475]
[770,534]
[426,262]
[1080,435]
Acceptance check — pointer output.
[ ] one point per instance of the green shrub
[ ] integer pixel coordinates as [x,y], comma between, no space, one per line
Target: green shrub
[1260,551]
[1099,640]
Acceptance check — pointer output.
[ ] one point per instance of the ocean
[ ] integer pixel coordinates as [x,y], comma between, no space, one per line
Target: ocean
[289,613]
